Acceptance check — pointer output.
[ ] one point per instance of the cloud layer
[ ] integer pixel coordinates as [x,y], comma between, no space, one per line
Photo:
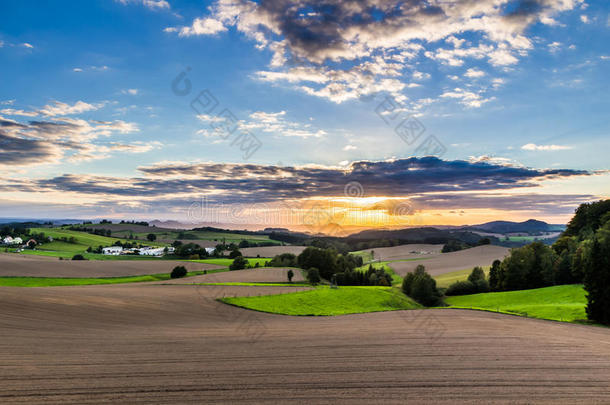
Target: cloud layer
[342,50]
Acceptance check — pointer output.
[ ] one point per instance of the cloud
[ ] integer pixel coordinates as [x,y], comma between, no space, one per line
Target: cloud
[474,73]
[584,19]
[277,124]
[59,108]
[238,183]
[77,69]
[349,147]
[27,45]
[201,26]
[12,111]
[343,50]
[555,46]
[534,147]
[49,141]
[150,4]
[466,97]
[131,92]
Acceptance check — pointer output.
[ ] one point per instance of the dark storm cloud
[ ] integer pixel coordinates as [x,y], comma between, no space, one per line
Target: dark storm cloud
[23,151]
[234,183]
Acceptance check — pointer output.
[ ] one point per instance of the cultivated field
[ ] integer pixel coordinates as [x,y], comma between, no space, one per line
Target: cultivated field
[271,251]
[448,262]
[412,251]
[12,264]
[177,344]
[260,275]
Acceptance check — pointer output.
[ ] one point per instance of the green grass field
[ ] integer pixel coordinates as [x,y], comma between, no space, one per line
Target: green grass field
[326,301]
[262,284]
[559,303]
[445,280]
[83,241]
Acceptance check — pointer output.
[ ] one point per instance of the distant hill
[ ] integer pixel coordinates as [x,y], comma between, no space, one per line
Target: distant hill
[418,235]
[504,227]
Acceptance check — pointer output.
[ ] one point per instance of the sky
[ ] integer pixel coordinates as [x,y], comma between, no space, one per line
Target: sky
[370,113]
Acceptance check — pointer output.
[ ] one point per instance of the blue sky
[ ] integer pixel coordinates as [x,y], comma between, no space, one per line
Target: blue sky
[87,93]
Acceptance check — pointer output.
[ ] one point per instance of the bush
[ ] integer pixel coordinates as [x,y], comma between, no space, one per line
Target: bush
[475,284]
[78,257]
[313,276]
[421,287]
[234,254]
[238,264]
[284,260]
[178,272]
[461,288]
[290,275]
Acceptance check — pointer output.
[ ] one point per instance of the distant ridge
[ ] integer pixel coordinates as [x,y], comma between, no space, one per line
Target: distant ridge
[529,226]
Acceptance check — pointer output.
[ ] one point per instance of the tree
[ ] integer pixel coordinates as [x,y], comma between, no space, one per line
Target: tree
[494,274]
[239,263]
[78,257]
[313,275]
[597,277]
[151,237]
[421,287]
[178,272]
[234,254]
[290,275]
[476,274]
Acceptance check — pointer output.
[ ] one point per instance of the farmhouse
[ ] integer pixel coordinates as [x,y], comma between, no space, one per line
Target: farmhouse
[7,240]
[112,250]
[210,250]
[17,241]
[148,251]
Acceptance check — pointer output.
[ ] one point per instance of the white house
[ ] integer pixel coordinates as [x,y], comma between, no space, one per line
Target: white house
[148,251]
[17,241]
[7,240]
[210,250]
[112,250]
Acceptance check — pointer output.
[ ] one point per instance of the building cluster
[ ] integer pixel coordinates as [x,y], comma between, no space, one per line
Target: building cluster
[8,240]
[143,251]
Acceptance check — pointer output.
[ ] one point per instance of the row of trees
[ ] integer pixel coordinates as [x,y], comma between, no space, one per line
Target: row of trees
[580,255]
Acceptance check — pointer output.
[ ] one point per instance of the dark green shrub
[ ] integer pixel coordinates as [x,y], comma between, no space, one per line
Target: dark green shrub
[476,274]
[313,275]
[234,253]
[290,275]
[78,257]
[178,272]
[238,264]
[461,288]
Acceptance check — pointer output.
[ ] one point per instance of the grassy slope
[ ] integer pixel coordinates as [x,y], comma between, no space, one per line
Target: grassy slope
[83,240]
[560,303]
[327,301]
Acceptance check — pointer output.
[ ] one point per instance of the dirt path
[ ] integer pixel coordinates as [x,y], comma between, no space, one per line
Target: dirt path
[176,344]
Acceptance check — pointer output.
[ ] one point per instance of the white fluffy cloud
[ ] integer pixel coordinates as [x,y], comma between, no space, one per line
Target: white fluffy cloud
[345,50]
[534,147]
[59,108]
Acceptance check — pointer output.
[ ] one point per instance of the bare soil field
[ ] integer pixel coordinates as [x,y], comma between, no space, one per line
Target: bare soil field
[411,251]
[40,266]
[176,344]
[260,275]
[271,251]
[447,262]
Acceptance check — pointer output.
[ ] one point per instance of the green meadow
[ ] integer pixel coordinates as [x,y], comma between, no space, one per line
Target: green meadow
[560,303]
[325,301]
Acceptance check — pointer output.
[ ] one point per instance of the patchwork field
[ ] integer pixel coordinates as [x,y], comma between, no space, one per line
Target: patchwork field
[271,251]
[412,251]
[12,264]
[449,262]
[260,275]
[177,344]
